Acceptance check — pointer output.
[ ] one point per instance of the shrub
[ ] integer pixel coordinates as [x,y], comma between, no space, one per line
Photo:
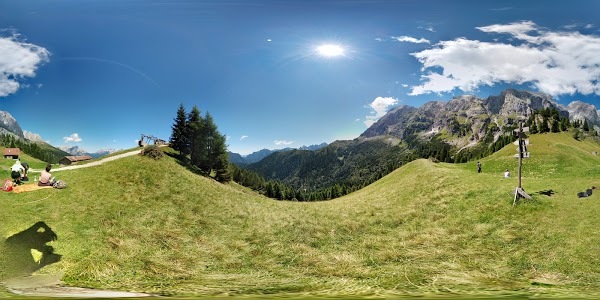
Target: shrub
[152,151]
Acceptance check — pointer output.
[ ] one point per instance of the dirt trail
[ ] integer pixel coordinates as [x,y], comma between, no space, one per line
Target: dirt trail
[95,163]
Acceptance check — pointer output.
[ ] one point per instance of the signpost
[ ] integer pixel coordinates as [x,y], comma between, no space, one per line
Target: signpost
[522,142]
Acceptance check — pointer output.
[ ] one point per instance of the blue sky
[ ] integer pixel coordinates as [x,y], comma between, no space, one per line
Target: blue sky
[97,74]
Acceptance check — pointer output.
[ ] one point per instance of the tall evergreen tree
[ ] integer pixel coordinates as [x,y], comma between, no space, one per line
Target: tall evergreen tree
[194,130]
[220,158]
[179,137]
[586,126]
[208,135]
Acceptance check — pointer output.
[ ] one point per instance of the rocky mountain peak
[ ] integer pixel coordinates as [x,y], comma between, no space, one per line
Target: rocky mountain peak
[521,103]
[10,124]
[583,111]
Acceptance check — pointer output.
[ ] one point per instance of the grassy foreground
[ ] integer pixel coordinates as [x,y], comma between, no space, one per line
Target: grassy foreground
[152,226]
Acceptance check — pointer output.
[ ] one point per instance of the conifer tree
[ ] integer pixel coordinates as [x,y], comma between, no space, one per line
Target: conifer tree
[586,126]
[179,137]
[194,129]
[220,158]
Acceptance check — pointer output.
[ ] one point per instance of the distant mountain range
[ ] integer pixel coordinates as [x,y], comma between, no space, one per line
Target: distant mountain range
[462,127]
[257,156]
[75,150]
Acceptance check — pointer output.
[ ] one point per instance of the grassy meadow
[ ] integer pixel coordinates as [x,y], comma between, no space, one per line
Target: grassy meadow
[137,224]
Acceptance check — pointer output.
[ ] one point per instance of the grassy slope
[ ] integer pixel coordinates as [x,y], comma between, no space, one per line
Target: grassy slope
[144,225]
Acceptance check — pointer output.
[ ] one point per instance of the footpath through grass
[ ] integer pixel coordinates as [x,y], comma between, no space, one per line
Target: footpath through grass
[152,226]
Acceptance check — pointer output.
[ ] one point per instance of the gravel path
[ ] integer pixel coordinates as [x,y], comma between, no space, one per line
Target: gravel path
[95,163]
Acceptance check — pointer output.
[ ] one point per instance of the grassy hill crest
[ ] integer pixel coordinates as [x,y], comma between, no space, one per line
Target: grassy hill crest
[143,225]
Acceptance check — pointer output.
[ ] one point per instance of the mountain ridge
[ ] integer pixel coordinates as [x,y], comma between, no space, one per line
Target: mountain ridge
[463,128]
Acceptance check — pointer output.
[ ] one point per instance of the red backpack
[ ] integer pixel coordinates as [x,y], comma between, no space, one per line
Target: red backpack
[8,185]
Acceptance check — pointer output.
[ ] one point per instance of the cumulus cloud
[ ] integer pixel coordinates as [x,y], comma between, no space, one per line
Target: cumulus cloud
[34,137]
[18,60]
[409,39]
[243,137]
[379,108]
[72,138]
[555,62]
[283,142]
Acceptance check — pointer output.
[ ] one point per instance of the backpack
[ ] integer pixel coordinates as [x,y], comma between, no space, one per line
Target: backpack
[8,185]
[60,184]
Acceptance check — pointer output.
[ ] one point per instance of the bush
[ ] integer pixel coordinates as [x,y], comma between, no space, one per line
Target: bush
[152,151]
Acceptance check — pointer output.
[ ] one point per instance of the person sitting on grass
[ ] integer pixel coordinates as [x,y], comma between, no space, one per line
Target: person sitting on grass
[16,171]
[46,178]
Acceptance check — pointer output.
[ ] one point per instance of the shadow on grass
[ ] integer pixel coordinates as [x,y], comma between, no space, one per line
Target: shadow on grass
[19,257]
[184,163]
[548,193]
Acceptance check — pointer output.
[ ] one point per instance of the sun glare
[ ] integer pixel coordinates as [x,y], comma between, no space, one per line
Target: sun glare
[330,50]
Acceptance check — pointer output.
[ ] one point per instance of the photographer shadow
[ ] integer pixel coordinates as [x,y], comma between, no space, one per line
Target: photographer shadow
[19,254]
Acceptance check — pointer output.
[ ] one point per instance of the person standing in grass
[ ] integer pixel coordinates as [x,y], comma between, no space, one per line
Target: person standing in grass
[478,167]
[45,177]
[16,171]
[506,174]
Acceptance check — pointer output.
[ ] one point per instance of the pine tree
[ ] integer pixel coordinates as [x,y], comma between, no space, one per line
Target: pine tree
[194,129]
[544,125]
[221,159]
[179,136]
[208,134]
[586,126]
[554,126]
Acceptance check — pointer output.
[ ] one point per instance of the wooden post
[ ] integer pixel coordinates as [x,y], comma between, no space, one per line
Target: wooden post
[519,192]
[520,152]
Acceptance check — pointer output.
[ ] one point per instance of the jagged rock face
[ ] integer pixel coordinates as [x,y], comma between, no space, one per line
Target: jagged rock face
[464,120]
[521,103]
[393,123]
[10,124]
[580,110]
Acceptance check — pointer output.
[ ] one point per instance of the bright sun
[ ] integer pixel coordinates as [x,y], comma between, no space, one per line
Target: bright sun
[330,50]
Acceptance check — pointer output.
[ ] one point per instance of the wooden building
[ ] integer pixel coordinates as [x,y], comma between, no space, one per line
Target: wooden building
[13,153]
[68,160]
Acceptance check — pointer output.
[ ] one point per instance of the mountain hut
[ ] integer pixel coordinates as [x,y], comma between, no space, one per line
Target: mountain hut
[13,153]
[68,160]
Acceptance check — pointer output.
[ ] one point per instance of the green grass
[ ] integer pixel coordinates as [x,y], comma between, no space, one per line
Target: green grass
[426,229]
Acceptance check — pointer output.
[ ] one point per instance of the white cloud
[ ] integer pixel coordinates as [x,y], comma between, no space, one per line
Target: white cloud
[428,28]
[243,137]
[283,142]
[404,85]
[379,108]
[589,26]
[553,62]
[72,138]
[32,136]
[411,39]
[379,39]
[18,60]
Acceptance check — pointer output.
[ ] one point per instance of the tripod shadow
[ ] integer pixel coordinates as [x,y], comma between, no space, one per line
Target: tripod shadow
[19,254]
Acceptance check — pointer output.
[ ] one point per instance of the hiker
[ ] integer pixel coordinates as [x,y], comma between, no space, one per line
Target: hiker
[506,174]
[46,178]
[16,173]
[478,167]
